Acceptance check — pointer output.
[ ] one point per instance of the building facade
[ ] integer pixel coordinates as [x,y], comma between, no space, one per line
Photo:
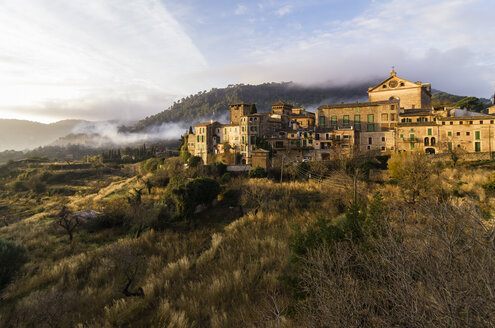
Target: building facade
[397,117]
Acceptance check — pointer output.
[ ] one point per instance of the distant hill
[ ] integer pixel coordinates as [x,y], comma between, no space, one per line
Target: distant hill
[21,134]
[440,98]
[213,104]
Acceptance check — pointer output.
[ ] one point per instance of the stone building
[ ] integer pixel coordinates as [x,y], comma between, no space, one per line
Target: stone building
[397,117]
[412,95]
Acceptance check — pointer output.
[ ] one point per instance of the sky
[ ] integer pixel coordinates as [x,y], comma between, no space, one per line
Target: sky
[125,60]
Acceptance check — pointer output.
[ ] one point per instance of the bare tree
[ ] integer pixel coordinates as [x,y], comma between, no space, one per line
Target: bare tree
[67,220]
[128,262]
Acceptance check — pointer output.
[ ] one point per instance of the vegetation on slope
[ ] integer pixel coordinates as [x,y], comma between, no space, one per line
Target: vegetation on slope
[214,103]
[338,251]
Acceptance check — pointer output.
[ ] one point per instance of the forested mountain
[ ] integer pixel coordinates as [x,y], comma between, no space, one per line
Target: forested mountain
[440,98]
[21,134]
[214,104]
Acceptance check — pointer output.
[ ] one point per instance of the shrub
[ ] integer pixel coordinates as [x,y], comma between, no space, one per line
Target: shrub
[257,172]
[226,177]
[12,257]
[196,192]
[19,186]
[194,161]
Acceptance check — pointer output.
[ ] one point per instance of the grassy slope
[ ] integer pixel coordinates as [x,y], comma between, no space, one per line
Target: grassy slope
[218,274]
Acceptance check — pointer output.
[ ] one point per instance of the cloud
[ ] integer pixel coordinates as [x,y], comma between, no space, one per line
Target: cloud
[285,10]
[442,42]
[107,133]
[240,10]
[68,51]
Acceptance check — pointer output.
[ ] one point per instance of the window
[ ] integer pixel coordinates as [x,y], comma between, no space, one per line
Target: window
[461,122]
[470,122]
[432,141]
[197,138]
[449,133]
[304,143]
[383,148]
[427,141]
[481,122]
[392,107]
[451,123]
[322,120]
[370,140]
[383,139]
[357,122]
[477,146]
[468,133]
[371,119]
[334,120]
[253,140]
[411,137]
[384,117]
[412,145]
[458,133]
[443,123]
[392,117]
[401,136]
[449,145]
[477,135]
[430,132]
[346,120]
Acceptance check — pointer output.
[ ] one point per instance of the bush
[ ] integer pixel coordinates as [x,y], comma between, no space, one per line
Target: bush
[196,192]
[194,161]
[226,177]
[257,172]
[12,257]
[20,186]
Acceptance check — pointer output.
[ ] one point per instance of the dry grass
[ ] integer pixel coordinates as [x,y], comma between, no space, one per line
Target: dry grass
[209,276]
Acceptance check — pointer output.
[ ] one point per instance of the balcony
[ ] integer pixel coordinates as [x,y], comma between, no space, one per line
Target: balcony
[410,140]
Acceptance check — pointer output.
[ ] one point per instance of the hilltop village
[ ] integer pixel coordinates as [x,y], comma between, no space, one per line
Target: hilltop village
[398,117]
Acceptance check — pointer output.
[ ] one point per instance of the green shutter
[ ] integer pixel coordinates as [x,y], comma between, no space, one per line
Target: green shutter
[477,135]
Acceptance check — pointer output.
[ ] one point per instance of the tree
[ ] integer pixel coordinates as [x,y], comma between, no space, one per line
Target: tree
[128,261]
[257,172]
[67,220]
[195,192]
[194,161]
[471,103]
[12,257]
[412,172]
[149,185]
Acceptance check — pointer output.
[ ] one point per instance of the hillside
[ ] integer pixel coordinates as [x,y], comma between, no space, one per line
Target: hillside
[21,134]
[213,104]
[440,98]
[159,244]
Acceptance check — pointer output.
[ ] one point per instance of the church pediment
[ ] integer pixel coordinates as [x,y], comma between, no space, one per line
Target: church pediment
[393,83]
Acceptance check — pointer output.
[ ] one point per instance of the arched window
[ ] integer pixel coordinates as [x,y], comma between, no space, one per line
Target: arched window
[433,141]
[427,141]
